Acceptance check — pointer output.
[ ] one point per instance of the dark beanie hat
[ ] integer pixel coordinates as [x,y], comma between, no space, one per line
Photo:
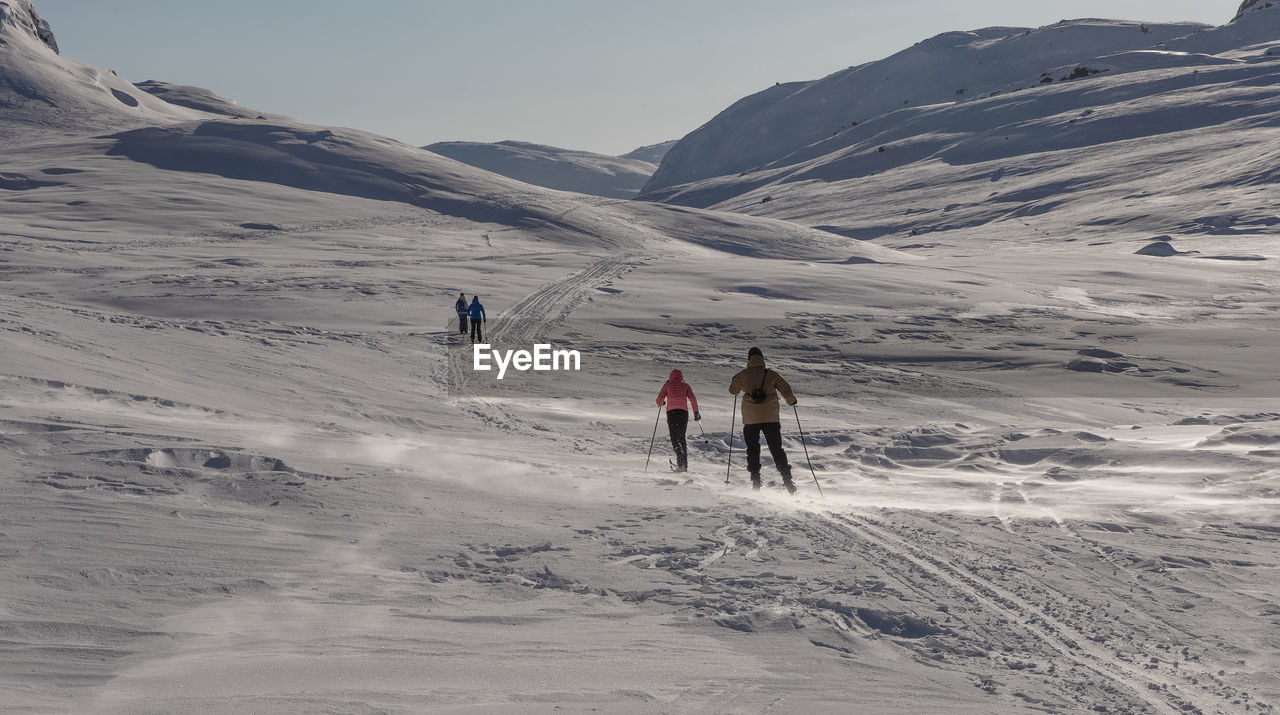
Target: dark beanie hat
[754,351]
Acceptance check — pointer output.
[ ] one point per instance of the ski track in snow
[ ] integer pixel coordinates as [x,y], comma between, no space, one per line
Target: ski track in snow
[522,321]
[559,298]
[1017,609]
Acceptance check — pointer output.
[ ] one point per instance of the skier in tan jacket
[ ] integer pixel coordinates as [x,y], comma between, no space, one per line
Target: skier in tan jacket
[760,414]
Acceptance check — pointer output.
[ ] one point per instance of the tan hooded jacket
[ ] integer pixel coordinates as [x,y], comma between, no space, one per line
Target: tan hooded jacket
[750,379]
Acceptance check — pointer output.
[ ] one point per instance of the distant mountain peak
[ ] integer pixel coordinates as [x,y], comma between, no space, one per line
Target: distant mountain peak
[21,16]
[1252,5]
[652,153]
[553,167]
[44,92]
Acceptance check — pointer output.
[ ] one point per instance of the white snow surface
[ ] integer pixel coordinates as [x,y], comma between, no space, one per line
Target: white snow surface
[248,469]
[553,167]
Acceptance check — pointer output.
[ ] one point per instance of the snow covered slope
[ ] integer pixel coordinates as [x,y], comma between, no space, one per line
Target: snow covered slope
[553,167]
[84,146]
[1180,139]
[19,16]
[225,174]
[778,121]
[44,93]
[198,98]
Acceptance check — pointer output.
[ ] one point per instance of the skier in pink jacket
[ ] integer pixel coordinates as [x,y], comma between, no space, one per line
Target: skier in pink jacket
[677,394]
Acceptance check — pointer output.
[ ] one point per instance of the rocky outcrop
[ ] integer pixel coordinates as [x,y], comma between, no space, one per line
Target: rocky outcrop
[1251,4]
[22,16]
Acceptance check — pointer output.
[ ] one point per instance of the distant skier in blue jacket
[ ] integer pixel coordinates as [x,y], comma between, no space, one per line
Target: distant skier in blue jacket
[476,313]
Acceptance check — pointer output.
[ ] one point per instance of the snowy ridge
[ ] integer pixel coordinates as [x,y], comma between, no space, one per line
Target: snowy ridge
[198,98]
[45,94]
[197,176]
[69,123]
[652,153]
[953,66]
[1080,143]
[22,16]
[1256,28]
[553,167]
[1248,5]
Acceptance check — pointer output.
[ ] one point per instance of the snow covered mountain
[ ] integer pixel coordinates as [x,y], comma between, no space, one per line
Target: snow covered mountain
[553,167]
[21,16]
[785,118]
[66,124]
[1076,119]
[44,93]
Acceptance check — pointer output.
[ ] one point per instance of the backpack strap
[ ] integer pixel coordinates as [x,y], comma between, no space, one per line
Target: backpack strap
[758,395]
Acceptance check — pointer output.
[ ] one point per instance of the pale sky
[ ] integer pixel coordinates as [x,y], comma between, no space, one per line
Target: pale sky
[600,75]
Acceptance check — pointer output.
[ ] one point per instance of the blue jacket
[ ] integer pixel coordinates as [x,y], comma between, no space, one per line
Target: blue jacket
[476,311]
[460,306]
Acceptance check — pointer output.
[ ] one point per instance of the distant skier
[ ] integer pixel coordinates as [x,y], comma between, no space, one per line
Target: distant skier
[760,414]
[461,308]
[677,394]
[476,313]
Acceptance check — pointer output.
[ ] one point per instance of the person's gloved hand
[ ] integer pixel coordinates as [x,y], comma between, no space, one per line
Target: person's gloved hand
[658,402]
[697,416]
[795,402]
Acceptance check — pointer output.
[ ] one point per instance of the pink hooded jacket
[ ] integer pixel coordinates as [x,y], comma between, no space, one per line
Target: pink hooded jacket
[677,393]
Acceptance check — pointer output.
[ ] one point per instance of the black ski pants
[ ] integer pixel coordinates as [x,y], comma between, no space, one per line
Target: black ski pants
[677,423]
[476,336]
[773,437]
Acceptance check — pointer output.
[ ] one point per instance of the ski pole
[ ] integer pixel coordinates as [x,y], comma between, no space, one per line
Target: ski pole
[704,432]
[733,416]
[806,452]
[653,439]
